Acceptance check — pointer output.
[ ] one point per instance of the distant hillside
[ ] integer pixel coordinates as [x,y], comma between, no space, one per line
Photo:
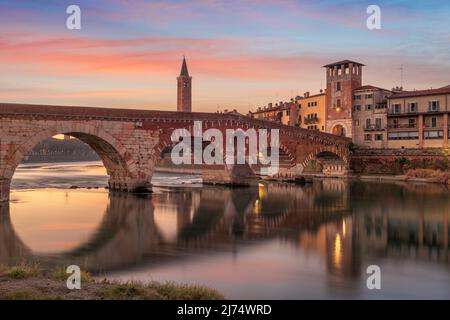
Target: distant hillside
[56,150]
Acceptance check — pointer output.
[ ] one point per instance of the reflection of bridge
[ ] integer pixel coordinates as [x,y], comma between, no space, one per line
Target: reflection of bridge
[319,217]
[130,141]
[129,229]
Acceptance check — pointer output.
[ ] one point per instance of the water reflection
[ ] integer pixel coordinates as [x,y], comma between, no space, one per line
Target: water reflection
[329,231]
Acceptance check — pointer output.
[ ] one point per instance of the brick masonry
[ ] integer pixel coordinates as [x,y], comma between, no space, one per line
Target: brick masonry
[398,161]
[130,141]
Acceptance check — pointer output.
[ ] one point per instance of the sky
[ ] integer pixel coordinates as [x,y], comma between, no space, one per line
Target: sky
[241,54]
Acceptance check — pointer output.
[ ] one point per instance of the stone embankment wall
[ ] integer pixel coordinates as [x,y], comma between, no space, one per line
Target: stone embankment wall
[398,161]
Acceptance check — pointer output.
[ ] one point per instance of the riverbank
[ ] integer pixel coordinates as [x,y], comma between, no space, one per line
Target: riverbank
[416,176]
[31,283]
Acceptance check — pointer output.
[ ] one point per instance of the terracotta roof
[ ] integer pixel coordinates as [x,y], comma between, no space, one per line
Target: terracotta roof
[274,108]
[312,96]
[418,93]
[369,87]
[342,62]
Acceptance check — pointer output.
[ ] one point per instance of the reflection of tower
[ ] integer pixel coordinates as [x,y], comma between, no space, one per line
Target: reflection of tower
[184,99]
[342,78]
[184,209]
[342,256]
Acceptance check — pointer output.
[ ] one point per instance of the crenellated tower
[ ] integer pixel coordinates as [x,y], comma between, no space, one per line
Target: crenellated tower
[342,78]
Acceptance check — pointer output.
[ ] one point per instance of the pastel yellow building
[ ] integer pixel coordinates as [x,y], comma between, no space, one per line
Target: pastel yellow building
[313,111]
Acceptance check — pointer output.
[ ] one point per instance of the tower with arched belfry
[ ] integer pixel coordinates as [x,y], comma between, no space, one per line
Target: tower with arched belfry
[184,97]
[342,78]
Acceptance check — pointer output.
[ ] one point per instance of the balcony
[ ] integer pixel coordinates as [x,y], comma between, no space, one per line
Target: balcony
[373,127]
[394,113]
[314,120]
[403,126]
[433,109]
[430,127]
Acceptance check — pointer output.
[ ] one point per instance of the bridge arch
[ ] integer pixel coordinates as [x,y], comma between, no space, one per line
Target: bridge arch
[328,149]
[335,159]
[116,158]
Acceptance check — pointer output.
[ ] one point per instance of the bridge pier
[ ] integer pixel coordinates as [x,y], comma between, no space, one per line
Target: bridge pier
[233,175]
[4,190]
[129,186]
[335,169]
[290,172]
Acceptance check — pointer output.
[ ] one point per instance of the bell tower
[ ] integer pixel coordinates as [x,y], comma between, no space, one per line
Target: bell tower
[184,97]
[342,78]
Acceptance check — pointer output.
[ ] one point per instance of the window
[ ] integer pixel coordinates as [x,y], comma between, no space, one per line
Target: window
[433,106]
[288,112]
[356,123]
[338,103]
[412,123]
[378,123]
[396,108]
[403,135]
[379,137]
[434,134]
[357,107]
[338,86]
[433,122]
[412,107]
[357,97]
[369,107]
[367,123]
[369,96]
[368,137]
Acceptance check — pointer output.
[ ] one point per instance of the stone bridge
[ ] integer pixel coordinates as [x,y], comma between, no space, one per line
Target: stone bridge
[130,141]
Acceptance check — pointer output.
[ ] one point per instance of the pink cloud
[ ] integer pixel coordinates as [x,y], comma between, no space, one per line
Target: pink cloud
[155,56]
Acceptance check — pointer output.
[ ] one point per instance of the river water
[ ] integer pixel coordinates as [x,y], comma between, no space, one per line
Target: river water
[274,241]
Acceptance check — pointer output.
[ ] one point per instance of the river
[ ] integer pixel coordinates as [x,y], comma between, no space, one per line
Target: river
[274,241]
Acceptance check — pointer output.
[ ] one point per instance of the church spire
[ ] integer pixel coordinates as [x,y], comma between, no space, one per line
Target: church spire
[184,95]
[184,70]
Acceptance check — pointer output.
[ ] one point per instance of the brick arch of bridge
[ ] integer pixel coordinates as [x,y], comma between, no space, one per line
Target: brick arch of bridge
[341,153]
[116,158]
